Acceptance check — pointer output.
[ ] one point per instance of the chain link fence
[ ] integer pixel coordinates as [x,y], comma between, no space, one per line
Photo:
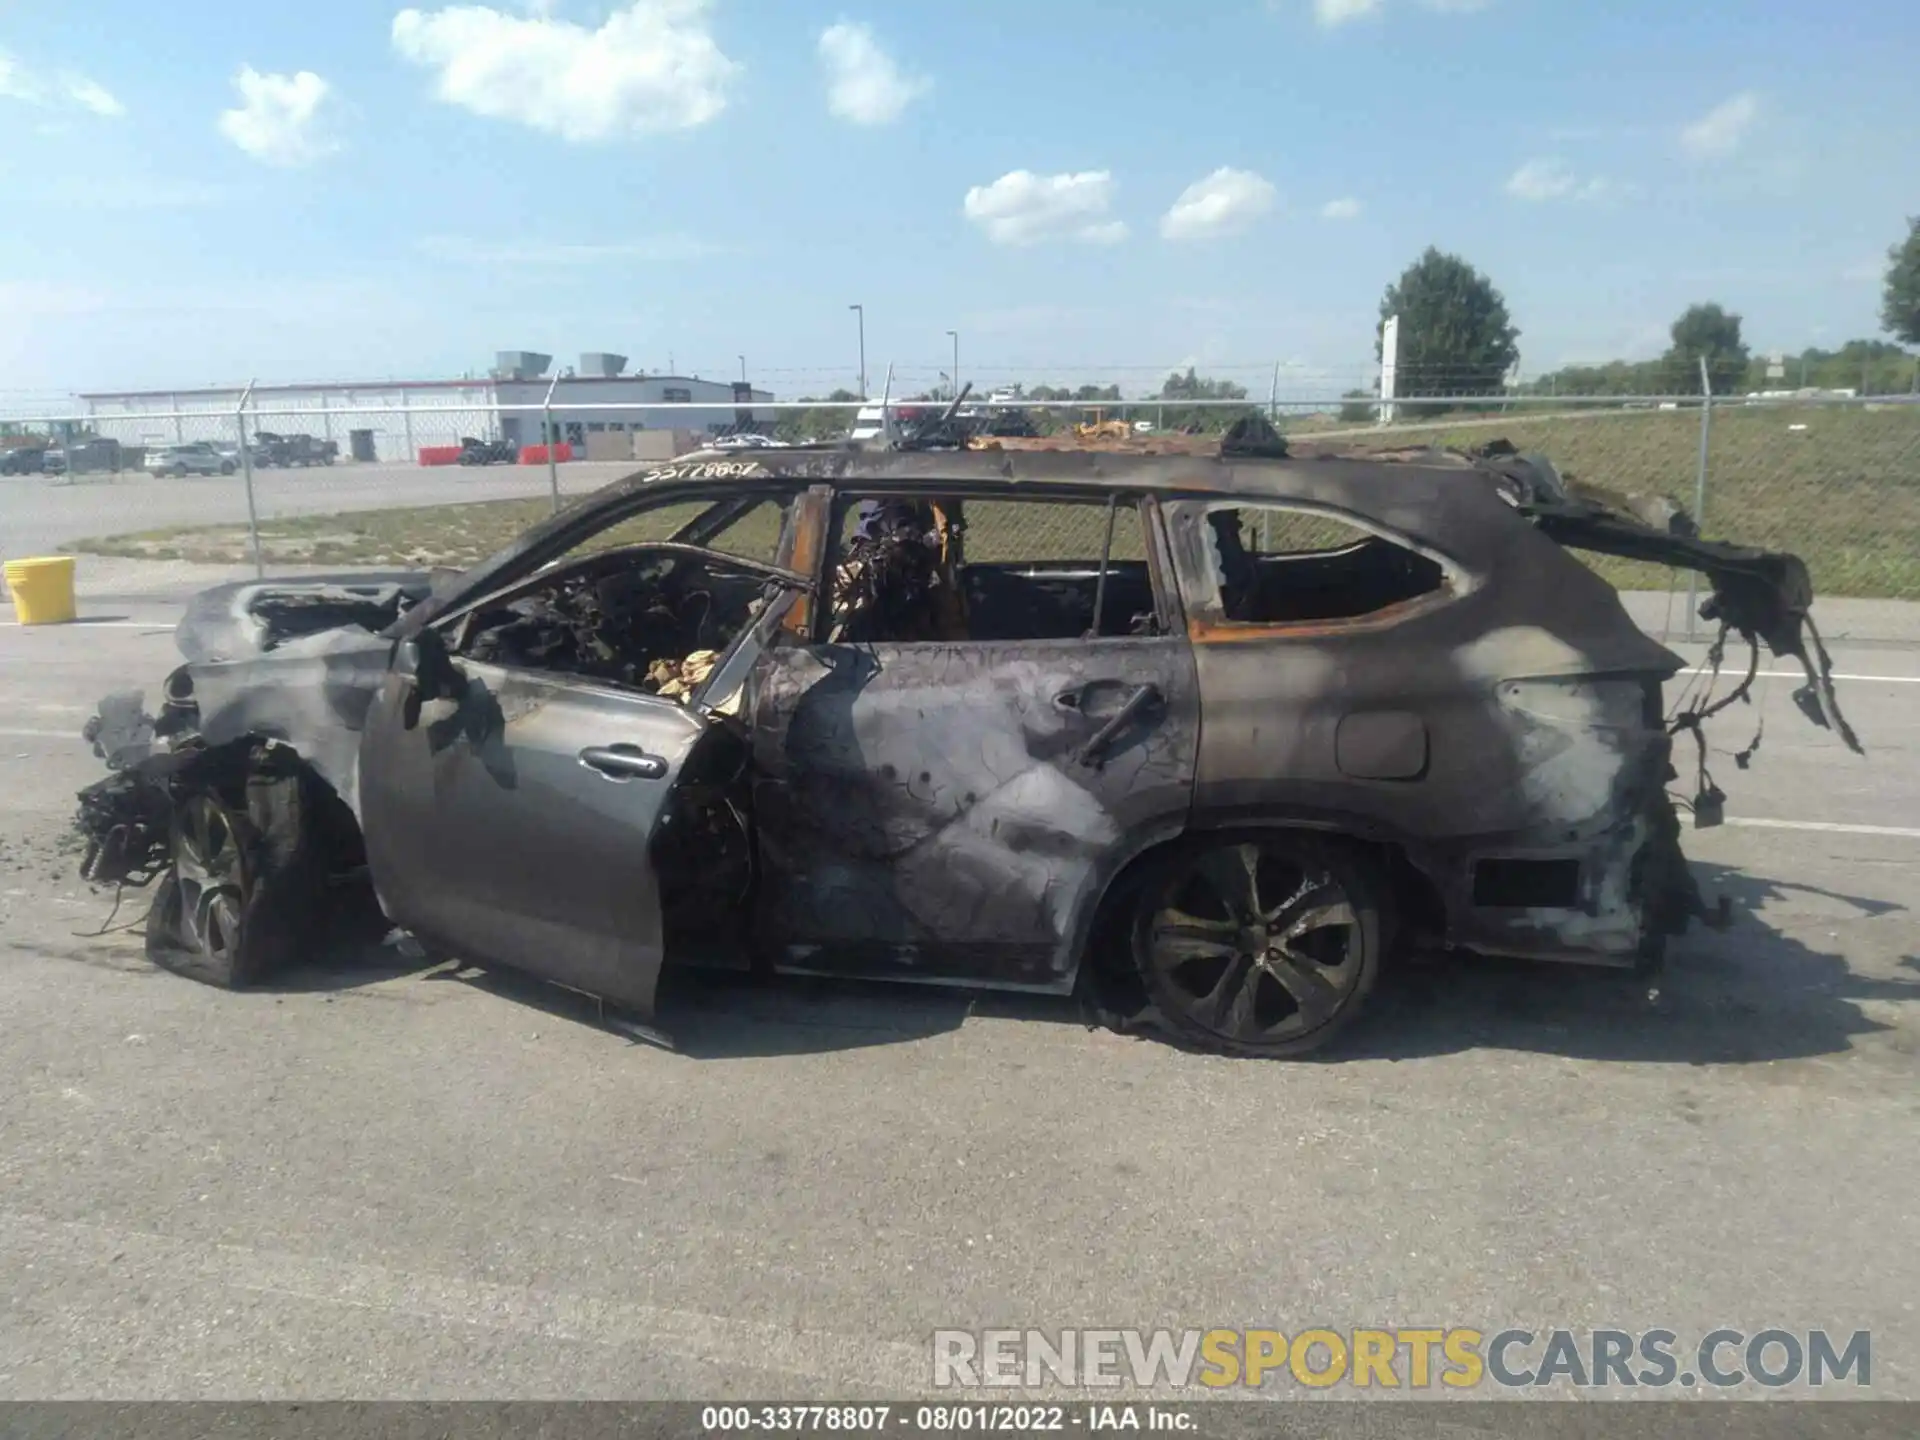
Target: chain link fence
[1834,479]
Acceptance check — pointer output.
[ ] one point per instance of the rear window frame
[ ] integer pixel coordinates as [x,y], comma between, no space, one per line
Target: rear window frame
[1200,581]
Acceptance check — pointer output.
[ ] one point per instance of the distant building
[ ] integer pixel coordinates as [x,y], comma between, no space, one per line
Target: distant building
[401,417]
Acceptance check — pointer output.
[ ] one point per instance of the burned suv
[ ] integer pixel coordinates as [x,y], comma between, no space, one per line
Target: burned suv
[1213,733]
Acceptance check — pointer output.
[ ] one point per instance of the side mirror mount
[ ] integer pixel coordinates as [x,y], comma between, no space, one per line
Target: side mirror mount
[426,667]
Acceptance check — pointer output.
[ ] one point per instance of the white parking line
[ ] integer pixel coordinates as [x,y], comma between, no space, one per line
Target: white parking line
[73,734]
[1799,675]
[1823,825]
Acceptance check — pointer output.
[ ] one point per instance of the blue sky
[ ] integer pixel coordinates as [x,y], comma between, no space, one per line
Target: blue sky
[204,192]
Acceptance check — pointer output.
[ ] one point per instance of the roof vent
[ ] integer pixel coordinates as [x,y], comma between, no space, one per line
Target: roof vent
[601,365]
[520,364]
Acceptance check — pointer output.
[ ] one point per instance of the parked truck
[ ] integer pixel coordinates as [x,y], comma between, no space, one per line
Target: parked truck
[286,451]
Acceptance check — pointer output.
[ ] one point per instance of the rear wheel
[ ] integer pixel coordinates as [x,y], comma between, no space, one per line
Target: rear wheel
[1262,945]
[226,467]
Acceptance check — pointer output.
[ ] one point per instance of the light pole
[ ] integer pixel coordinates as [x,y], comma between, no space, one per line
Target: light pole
[743,369]
[954,335]
[861,310]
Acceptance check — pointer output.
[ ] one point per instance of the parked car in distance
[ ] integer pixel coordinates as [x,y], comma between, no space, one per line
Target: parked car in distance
[197,457]
[745,441]
[23,460]
[475,451]
[290,450]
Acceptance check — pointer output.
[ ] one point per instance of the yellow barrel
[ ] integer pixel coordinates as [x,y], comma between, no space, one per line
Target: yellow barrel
[42,589]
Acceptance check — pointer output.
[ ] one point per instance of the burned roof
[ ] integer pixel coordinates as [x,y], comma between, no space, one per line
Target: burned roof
[1403,489]
[1465,504]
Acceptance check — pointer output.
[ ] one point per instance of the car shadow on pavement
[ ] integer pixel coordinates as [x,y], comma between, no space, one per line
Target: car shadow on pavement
[1746,995]
[714,1015]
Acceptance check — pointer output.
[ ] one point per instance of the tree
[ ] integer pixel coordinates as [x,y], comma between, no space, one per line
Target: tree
[1191,386]
[1615,377]
[1871,367]
[1709,331]
[825,423]
[1456,337]
[1900,304]
[1358,408]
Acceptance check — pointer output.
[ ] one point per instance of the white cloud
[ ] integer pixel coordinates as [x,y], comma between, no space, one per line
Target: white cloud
[864,84]
[90,95]
[19,82]
[1338,12]
[1718,133]
[14,83]
[1541,180]
[649,68]
[1022,208]
[559,254]
[1345,208]
[280,119]
[1861,271]
[1223,203]
[1331,13]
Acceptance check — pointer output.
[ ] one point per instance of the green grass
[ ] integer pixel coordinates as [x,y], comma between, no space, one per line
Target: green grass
[1844,494]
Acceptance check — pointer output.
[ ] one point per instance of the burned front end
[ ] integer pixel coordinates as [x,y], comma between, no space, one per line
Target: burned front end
[276,685]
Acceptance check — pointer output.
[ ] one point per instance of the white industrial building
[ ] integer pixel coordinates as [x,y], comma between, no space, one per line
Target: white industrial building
[395,419]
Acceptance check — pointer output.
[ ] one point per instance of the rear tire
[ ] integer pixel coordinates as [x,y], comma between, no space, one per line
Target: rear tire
[1265,944]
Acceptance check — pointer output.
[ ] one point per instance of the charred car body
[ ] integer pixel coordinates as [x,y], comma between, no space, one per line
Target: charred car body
[1215,731]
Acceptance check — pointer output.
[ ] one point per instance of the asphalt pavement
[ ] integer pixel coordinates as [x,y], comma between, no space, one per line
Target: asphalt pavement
[39,514]
[377,1180]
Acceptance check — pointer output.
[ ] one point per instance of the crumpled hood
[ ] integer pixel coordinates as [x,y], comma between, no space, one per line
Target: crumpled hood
[248,618]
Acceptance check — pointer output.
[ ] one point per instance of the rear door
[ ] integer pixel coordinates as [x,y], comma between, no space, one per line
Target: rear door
[953,805]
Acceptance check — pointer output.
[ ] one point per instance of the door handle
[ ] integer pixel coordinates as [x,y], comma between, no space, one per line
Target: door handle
[623,762]
[1094,751]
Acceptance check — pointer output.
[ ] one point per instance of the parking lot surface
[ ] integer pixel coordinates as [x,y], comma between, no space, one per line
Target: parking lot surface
[382,1180]
[39,514]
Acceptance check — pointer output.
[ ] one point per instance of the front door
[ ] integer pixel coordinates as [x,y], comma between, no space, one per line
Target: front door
[513,824]
[510,812]
[954,808]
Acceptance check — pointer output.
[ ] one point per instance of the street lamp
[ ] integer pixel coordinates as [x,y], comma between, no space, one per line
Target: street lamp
[954,335]
[862,312]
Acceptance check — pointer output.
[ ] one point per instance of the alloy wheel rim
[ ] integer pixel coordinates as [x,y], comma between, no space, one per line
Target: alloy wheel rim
[1255,945]
[212,877]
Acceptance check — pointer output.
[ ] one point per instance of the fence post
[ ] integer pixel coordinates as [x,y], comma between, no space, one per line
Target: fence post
[246,471]
[546,426]
[1700,491]
[406,424]
[1273,396]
